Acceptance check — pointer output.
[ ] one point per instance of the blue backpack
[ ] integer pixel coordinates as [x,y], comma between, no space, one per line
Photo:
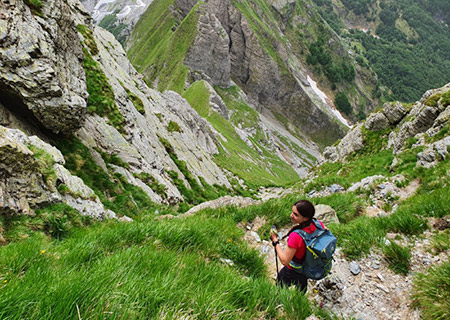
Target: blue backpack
[320,247]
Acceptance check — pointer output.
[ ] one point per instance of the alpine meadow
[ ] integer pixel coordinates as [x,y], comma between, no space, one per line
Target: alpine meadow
[224,159]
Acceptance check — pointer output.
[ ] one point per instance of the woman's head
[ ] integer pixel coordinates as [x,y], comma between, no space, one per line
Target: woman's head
[302,212]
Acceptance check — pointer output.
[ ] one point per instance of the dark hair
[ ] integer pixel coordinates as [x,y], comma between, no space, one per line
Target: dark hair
[306,209]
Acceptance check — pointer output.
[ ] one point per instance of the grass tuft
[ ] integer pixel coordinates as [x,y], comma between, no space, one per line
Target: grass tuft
[398,257]
[431,292]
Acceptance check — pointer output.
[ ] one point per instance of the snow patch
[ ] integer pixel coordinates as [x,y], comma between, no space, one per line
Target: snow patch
[324,98]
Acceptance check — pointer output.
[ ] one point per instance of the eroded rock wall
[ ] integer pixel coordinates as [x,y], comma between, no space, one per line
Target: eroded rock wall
[227,49]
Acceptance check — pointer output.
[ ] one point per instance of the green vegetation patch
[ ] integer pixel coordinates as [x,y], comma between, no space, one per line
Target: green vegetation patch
[263,22]
[132,266]
[440,242]
[241,113]
[101,96]
[173,127]
[89,40]
[110,23]
[432,101]
[112,159]
[112,188]
[235,155]
[197,193]
[137,102]
[35,6]
[342,103]
[431,292]
[398,257]
[161,45]
[151,181]
[198,97]
[322,54]
[54,220]
[45,165]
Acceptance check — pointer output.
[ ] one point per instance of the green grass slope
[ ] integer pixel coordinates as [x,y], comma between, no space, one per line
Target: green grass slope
[148,269]
[159,45]
[265,169]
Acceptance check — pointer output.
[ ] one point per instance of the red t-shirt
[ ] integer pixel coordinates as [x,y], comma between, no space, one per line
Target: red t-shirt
[296,241]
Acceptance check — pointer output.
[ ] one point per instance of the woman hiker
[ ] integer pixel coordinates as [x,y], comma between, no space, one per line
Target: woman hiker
[301,217]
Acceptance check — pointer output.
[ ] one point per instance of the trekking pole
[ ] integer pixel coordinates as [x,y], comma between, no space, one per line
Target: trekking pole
[274,230]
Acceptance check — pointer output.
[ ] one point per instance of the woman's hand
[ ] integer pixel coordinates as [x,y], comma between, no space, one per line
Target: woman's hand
[274,237]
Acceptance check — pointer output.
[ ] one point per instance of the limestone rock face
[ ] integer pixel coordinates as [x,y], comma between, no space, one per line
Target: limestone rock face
[391,114]
[331,154]
[422,120]
[226,47]
[209,54]
[185,5]
[140,146]
[41,64]
[352,142]
[280,4]
[26,182]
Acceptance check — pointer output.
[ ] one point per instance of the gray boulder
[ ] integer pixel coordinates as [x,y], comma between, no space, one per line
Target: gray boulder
[420,119]
[351,143]
[330,154]
[377,121]
[434,153]
[326,214]
[29,180]
[394,112]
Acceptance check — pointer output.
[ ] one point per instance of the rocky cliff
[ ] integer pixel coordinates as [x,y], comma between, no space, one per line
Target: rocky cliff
[236,42]
[120,136]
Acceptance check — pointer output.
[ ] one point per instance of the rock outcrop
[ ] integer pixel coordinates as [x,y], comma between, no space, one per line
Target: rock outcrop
[31,172]
[40,69]
[426,118]
[209,54]
[421,118]
[43,88]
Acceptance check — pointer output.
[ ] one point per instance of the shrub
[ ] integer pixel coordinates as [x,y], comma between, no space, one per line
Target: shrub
[342,103]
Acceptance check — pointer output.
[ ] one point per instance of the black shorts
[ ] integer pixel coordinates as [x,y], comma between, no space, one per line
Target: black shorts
[288,277]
